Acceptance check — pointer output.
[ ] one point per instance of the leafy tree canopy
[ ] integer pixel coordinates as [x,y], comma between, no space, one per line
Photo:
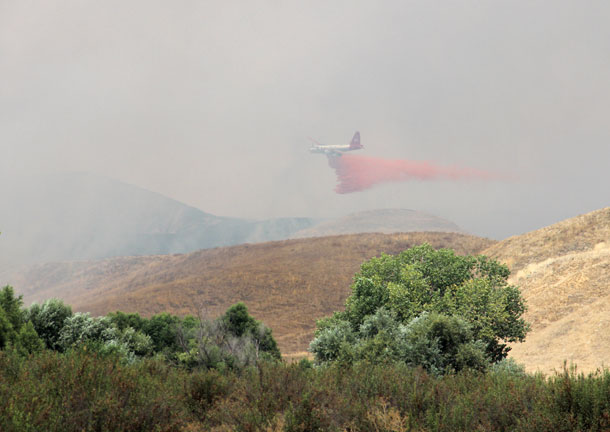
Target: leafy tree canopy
[234,340]
[123,320]
[162,329]
[12,306]
[239,322]
[27,340]
[15,330]
[48,320]
[7,332]
[421,280]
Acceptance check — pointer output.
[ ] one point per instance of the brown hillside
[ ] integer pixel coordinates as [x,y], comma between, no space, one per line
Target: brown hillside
[564,273]
[287,284]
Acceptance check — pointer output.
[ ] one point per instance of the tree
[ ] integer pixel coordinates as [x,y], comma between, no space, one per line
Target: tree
[137,342]
[239,323]
[123,320]
[234,340]
[27,340]
[15,331]
[442,343]
[470,289]
[162,329]
[12,306]
[436,342]
[48,320]
[7,332]
[334,340]
[81,327]
[103,335]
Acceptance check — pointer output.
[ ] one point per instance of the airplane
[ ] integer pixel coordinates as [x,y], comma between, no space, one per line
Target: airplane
[336,150]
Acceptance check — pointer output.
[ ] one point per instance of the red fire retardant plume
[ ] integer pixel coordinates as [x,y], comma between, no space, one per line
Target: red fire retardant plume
[356,173]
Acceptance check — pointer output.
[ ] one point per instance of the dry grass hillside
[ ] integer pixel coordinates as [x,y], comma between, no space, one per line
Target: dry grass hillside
[286,284]
[564,273]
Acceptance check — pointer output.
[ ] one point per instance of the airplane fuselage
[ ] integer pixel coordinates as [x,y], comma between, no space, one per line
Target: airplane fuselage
[331,149]
[336,150]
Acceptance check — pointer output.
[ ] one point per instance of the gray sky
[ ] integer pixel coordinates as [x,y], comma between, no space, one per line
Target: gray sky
[210,103]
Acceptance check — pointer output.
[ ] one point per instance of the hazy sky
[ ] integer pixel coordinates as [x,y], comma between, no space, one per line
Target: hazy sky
[210,102]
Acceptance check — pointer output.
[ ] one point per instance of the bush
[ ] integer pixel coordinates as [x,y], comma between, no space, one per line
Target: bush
[82,391]
[204,389]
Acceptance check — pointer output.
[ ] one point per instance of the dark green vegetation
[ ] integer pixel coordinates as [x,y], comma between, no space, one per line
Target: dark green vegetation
[425,307]
[421,345]
[234,340]
[80,390]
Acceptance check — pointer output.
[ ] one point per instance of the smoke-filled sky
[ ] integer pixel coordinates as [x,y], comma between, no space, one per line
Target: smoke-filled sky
[210,102]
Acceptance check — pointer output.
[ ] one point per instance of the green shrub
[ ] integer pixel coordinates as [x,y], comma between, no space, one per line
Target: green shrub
[82,391]
[204,389]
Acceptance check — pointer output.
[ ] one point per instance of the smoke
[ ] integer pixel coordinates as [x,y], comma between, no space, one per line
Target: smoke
[357,173]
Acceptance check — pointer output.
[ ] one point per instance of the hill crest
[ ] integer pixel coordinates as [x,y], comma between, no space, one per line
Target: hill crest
[287,284]
[385,221]
[80,216]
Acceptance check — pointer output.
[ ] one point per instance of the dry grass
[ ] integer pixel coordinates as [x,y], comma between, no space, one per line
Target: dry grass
[578,234]
[564,273]
[287,284]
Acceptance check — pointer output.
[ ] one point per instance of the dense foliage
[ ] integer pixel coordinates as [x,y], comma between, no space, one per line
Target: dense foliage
[426,307]
[82,390]
[234,340]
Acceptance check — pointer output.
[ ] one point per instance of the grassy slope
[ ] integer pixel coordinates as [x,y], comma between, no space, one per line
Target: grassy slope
[564,273]
[286,284]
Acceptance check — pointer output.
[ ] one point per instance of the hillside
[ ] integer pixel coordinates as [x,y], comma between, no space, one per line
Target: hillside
[287,284]
[78,216]
[563,271]
[385,221]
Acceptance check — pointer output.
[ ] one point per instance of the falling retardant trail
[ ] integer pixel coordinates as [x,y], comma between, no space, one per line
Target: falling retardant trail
[356,173]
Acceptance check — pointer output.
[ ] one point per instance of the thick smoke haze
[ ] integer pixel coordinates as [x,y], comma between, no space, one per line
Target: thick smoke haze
[210,103]
[357,173]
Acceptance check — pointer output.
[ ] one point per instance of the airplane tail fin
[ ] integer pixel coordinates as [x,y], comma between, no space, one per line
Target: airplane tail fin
[355,144]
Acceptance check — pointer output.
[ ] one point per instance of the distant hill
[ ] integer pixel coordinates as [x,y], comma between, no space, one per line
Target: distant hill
[287,284]
[78,216]
[74,216]
[385,221]
[564,273]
